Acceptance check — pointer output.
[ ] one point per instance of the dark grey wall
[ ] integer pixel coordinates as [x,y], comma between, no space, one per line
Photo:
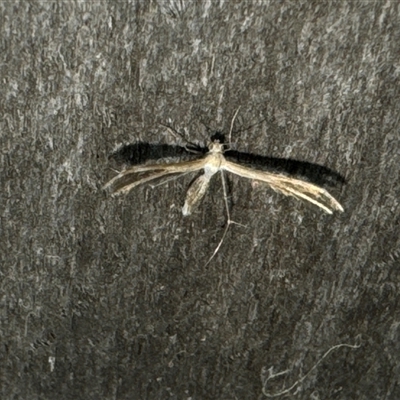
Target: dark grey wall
[109,298]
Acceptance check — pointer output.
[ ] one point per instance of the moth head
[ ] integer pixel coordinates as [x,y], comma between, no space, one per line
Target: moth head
[216,147]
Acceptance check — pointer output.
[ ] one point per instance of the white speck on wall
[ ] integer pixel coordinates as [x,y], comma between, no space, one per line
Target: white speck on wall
[52,362]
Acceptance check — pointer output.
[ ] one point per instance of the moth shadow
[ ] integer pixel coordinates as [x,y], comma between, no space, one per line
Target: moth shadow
[314,173]
[141,152]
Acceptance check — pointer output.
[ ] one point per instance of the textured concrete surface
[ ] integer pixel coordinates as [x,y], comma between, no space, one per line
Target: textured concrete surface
[109,298]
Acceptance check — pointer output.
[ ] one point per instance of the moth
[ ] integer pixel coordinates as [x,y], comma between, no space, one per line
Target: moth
[213,162]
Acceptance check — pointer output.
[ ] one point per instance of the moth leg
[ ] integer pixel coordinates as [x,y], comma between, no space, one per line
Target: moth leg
[194,147]
[228,223]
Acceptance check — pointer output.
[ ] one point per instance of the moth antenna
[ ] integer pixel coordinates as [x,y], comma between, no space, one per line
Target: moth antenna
[232,122]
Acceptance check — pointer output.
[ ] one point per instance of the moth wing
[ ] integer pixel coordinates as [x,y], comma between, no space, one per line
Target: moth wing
[288,186]
[139,174]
